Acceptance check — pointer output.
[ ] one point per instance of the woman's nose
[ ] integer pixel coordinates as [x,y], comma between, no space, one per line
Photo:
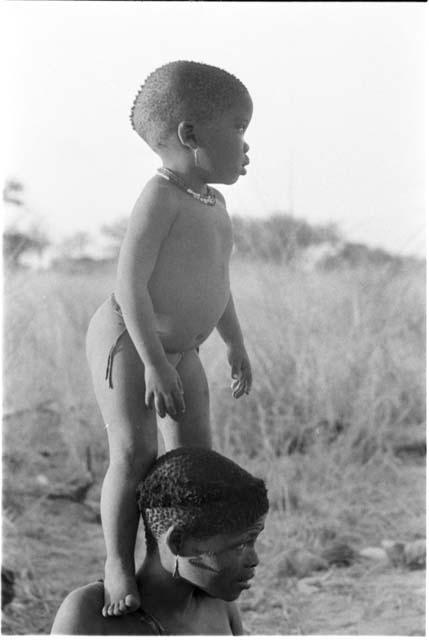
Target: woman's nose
[246,147]
[252,559]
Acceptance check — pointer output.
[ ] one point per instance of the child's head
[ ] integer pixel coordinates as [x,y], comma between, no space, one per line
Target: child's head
[181,91]
[206,511]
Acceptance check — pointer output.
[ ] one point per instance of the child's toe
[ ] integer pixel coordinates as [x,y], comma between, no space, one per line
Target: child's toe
[132,602]
[122,606]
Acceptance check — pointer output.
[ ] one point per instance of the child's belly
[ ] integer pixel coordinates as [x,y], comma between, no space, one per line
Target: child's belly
[189,285]
[187,310]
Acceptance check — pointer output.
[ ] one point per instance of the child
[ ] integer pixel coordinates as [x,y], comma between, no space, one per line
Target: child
[172,290]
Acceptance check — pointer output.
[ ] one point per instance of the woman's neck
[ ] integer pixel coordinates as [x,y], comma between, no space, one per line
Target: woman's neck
[160,592]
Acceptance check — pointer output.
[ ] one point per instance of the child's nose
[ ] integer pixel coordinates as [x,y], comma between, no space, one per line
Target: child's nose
[246,147]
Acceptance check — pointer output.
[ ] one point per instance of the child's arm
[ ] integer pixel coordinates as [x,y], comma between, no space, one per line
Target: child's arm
[150,223]
[230,332]
[229,325]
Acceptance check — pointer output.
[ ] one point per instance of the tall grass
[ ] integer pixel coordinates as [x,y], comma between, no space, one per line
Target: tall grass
[336,355]
[342,348]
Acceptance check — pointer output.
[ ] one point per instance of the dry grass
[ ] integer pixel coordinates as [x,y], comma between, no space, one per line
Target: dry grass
[338,364]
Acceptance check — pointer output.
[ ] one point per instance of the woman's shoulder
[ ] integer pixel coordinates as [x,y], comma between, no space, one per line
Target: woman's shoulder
[234,619]
[231,611]
[220,617]
[80,611]
[80,614]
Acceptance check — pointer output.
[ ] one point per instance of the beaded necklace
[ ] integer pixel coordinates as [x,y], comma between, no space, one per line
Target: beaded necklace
[209,199]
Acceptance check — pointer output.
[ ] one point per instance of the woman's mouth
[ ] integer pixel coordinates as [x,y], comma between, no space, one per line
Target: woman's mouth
[244,583]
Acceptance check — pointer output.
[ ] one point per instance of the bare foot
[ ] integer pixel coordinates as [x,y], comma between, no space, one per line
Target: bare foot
[121,595]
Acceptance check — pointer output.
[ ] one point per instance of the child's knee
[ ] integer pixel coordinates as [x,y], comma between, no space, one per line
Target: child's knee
[133,460]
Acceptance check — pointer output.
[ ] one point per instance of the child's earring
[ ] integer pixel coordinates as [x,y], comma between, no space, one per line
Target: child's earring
[176,573]
[195,151]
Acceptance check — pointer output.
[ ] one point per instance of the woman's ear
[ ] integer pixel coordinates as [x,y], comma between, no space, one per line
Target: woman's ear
[186,135]
[174,540]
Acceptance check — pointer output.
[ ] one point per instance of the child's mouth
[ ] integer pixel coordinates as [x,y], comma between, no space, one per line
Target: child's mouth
[243,166]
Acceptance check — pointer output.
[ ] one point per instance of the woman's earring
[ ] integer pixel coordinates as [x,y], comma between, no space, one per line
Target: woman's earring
[196,156]
[176,573]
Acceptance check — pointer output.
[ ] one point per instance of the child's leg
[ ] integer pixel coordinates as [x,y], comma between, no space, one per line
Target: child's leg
[131,430]
[192,429]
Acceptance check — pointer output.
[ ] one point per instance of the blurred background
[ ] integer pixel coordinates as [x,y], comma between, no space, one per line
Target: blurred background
[328,273]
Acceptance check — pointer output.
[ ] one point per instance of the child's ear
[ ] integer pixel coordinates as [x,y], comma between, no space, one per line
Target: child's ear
[186,135]
[175,538]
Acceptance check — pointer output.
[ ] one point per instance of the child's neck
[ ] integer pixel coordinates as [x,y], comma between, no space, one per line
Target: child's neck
[189,174]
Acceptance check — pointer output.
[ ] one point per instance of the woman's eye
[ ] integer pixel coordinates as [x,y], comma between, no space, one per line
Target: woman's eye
[243,545]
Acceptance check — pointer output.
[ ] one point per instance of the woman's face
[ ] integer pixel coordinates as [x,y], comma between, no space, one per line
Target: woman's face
[222,565]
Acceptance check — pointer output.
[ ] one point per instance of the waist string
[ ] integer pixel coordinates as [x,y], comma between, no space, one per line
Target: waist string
[109,368]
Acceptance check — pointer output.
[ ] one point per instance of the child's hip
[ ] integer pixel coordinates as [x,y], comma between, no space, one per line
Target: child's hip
[105,331]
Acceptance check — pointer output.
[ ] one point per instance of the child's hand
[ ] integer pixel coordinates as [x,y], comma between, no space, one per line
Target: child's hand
[164,391]
[241,371]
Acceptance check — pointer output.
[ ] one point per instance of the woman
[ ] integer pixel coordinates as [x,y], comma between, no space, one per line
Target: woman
[202,514]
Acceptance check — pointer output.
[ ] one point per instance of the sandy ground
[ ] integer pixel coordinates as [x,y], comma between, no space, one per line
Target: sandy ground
[355,601]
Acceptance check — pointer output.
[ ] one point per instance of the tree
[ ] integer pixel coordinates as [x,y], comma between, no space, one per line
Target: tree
[18,241]
[11,192]
[115,232]
[76,246]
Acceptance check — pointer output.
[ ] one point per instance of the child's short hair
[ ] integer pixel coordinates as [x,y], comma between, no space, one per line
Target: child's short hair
[201,492]
[181,90]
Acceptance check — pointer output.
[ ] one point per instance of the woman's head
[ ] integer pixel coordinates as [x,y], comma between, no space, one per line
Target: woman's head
[183,91]
[205,512]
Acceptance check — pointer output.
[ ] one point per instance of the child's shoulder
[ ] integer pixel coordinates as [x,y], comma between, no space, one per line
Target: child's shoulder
[156,188]
[155,197]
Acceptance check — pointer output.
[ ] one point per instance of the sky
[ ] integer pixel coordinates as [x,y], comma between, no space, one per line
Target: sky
[337,133]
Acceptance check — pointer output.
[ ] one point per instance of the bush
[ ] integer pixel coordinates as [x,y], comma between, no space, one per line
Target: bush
[279,238]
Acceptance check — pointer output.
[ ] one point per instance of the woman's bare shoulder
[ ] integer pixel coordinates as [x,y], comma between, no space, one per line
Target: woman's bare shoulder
[80,611]
[80,614]
[223,617]
[234,619]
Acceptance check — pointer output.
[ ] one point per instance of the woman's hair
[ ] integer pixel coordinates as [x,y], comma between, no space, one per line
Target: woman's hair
[202,493]
[179,91]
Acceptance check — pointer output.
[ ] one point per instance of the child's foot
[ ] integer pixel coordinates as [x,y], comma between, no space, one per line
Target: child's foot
[121,595]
